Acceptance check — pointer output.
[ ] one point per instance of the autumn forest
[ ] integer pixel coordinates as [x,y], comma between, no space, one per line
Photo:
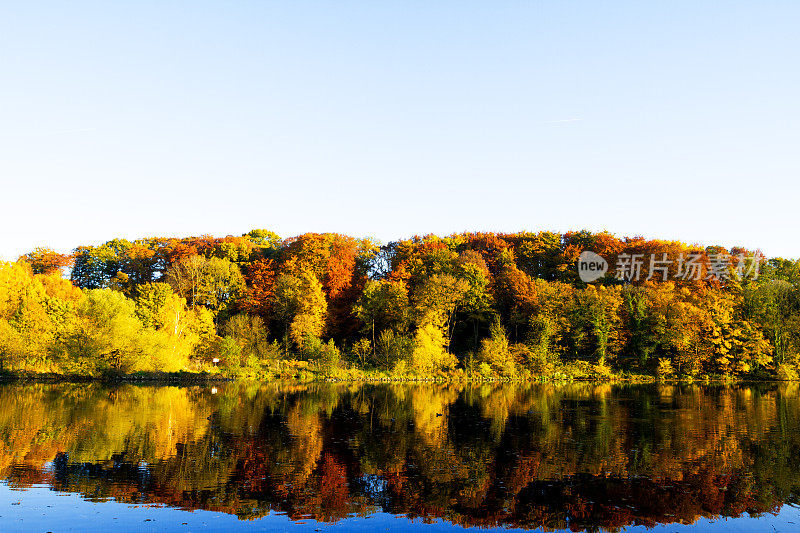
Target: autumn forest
[472,306]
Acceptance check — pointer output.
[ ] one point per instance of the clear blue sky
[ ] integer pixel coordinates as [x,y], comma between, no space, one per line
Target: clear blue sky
[387,119]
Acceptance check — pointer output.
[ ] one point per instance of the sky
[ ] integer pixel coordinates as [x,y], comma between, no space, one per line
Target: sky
[671,120]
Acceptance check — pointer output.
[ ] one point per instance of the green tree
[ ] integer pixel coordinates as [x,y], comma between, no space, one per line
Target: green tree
[477,304]
[775,306]
[108,335]
[211,282]
[391,348]
[383,305]
[599,315]
[250,333]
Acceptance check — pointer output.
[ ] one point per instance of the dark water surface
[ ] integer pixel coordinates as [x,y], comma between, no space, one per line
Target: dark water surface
[85,457]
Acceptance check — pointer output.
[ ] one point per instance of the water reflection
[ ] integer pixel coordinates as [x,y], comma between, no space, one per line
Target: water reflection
[580,456]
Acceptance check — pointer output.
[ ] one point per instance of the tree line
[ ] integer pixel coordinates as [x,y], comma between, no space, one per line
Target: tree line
[482,305]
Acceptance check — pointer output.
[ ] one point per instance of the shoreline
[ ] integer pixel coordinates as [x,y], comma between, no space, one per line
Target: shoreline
[189,378]
[180,378]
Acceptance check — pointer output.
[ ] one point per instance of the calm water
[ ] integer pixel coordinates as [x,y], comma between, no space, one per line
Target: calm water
[363,457]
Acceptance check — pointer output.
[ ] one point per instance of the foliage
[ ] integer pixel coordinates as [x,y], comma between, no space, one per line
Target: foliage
[46,261]
[250,334]
[504,305]
[665,369]
[495,352]
[212,282]
[392,348]
[429,354]
[325,354]
[362,352]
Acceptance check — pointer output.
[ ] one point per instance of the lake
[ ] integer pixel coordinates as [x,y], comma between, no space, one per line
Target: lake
[358,457]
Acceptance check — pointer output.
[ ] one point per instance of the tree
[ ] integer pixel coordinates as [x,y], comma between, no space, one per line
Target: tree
[95,266]
[108,334]
[28,329]
[551,332]
[436,301]
[46,261]
[775,306]
[213,283]
[392,348]
[662,319]
[300,306]
[142,262]
[250,334]
[515,298]
[341,264]
[9,343]
[477,305]
[325,354]
[363,352]
[538,255]
[496,353]
[429,354]
[268,241]
[260,276]
[639,323]
[383,305]
[598,315]
[180,328]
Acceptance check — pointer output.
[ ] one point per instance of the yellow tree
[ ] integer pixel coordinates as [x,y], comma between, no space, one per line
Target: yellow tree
[27,330]
[299,303]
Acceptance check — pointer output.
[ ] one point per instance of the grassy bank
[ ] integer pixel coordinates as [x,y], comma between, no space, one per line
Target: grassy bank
[304,372]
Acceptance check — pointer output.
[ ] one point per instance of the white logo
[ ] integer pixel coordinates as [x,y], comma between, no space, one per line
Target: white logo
[591,266]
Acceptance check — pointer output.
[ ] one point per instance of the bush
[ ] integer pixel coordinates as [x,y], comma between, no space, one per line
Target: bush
[250,333]
[536,361]
[429,353]
[496,354]
[787,373]
[229,353]
[665,370]
[362,352]
[400,368]
[602,370]
[326,355]
[391,348]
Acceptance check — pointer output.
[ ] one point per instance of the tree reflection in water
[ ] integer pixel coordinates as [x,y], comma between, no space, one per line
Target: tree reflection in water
[578,456]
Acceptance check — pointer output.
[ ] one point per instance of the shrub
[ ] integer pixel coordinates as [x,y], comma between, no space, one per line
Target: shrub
[362,352]
[326,355]
[496,354]
[665,370]
[429,350]
[787,373]
[536,361]
[391,348]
